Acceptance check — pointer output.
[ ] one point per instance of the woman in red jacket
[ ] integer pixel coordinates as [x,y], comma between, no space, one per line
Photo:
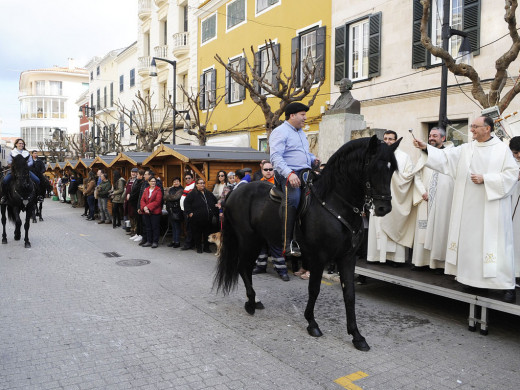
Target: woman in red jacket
[151,207]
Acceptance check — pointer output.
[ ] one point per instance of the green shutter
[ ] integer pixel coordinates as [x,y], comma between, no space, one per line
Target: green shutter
[419,53]
[321,39]
[374,45]
[258,70]
[340,54]
[201,94]
[242,89]
[213,94]
[227,97]
[274,67]
[471,23]
[295,59]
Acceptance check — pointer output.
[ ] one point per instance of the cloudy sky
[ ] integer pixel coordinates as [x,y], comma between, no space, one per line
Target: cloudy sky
[41,33]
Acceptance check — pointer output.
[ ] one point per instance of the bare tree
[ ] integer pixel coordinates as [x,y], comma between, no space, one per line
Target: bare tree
[150,125]
[281,86]
[76,145]
[198,123]
[493,97]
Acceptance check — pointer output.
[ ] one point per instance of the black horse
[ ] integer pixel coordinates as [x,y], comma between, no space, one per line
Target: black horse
[38,168]
[21,196]
[331,229]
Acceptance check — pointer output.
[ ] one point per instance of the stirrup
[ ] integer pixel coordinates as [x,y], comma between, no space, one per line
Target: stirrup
[294,249]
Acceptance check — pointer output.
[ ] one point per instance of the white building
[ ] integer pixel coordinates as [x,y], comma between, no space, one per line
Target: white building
[397,82]
[113,81]
[47,102]
[167,29]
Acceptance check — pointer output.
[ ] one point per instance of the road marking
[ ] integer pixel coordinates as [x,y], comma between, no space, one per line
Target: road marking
[346,381]
[326,283]
[84,235]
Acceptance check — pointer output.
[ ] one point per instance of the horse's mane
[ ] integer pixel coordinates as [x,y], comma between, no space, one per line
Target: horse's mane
[340,166]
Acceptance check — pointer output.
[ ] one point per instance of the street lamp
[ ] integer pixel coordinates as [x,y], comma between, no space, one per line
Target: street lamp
[91,113]
[153,73]
[463,56]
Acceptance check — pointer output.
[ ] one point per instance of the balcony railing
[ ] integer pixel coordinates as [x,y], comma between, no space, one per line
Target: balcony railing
[161,52]
[158,115]
[144,65]
[144,9]
[158,3]
[180,45]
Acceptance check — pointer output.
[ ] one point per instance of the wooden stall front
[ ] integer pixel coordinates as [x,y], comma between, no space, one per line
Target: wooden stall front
[103,162]
[125,161]
[169,161]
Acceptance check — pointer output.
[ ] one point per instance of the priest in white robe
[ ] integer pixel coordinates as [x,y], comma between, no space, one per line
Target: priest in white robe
[514,145]
[389,236]
[433,213]
[480,238]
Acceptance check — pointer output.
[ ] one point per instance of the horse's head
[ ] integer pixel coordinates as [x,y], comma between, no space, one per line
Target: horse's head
[21,177]
[380,164]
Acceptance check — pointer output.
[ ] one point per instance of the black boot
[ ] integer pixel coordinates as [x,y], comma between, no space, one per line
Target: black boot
[291,247]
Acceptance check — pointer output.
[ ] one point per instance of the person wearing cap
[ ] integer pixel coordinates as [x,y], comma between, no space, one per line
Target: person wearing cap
[290,155]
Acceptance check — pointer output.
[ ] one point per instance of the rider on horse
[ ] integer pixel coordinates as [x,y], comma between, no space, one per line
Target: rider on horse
[19,149]
[290,155]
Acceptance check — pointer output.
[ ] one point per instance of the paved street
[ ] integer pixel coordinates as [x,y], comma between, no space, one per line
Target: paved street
[72,318]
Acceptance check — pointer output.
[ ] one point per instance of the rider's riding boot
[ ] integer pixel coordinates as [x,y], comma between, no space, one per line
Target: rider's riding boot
[291,247]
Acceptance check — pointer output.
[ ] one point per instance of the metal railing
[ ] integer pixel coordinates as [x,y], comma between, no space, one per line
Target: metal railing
[144,8]
[180,42]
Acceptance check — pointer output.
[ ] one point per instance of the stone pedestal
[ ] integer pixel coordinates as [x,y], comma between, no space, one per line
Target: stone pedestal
[336,129]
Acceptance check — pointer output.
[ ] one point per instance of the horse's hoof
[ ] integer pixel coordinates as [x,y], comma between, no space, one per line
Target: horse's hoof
[249,308]
[41,219]
[361,345]
[17,238]
[259,305]
[4,240]
[34,221]
[314,332]
[27,244]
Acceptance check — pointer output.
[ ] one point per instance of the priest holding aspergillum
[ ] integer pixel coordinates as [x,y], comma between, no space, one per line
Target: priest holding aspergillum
[480,239]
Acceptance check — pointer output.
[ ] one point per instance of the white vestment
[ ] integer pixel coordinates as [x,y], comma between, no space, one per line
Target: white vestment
[388,236]
[480,238]
[433,217]
[516,224]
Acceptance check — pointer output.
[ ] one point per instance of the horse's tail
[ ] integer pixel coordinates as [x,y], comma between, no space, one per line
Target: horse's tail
[10,214]
[226,276]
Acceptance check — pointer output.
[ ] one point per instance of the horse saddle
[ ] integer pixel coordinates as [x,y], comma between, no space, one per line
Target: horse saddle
[276,193]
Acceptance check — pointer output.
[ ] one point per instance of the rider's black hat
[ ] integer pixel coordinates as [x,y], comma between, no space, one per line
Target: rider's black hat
[294,108]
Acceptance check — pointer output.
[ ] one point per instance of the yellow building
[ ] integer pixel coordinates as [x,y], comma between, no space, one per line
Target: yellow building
[227,28]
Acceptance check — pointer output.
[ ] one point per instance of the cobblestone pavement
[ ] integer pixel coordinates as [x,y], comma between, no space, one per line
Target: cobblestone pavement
[72,318]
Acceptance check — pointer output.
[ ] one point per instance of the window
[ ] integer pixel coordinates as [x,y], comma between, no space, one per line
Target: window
[98,101]
[121,83]
[91,100]
[436,27]
[236,13]
[55,87]
[357,49]
[105,100]
[464,15]
[111,94]
[264,4]
[208,28]
[307,51]
[262,144]
[91,75]
[185,18]
[132,77]
[265,62]
[208,86]
[40,87]
[97,71]
[457,131]
[234,91]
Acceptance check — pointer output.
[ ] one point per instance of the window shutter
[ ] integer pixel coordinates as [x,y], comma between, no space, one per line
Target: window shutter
[201,94]
[242,89]
[227,98]
[274,67]
[340,54]
[257,67]
[374,45]
[471,23]
[295,60]
[320,53]
[419,52]
[213,93]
